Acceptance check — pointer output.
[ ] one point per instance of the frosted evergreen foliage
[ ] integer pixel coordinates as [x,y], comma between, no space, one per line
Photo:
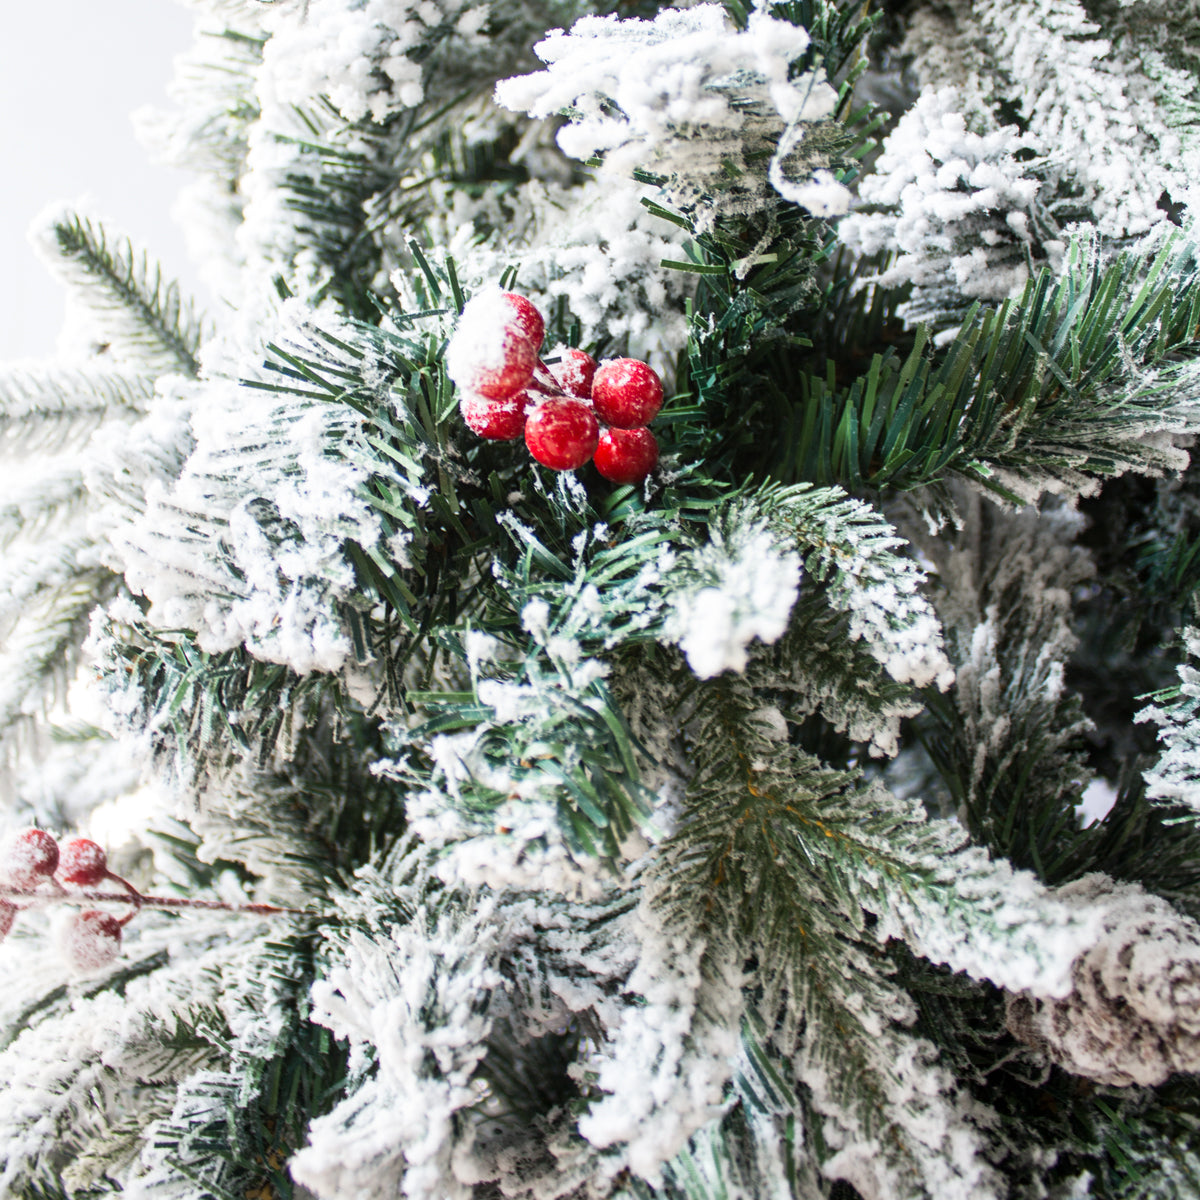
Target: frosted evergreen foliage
[681,94]
[954,212]
[127,306]
[745,591]
[256,590]
[942,1140]
[710,837]
[1176,774]
[879,590]
[475,975]
[396,1134]
[366,58]
[603,261]
[1107,107]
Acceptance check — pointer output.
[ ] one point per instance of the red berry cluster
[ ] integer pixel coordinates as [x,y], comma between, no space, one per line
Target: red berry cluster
[569,412]
[32,864]
[34,870]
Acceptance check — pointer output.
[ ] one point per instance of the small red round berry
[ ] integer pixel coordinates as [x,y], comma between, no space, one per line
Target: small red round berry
[562,434]
[574,371]
[626,393]
[8,914]
[526,318]
[511,373]
[28,858]
[496,420]
[82,862]
[626,455]
[488,354]
[90,939]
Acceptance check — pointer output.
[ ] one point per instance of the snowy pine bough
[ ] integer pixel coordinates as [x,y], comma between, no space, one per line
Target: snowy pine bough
[714,836]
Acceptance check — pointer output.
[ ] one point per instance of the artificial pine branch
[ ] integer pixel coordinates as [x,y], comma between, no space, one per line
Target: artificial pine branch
[141,316]
[42,645]
[1071,382]
[60,407]
[634,801]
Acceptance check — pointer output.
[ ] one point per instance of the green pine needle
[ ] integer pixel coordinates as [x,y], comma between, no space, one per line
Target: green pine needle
[140,312]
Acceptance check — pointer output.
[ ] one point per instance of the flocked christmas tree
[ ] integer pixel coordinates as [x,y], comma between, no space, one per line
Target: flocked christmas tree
[540,785]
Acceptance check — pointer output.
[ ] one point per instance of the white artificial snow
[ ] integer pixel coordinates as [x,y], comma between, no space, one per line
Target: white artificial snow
[997,924]
[248,554]
[666,1064]
[413,1002]
[950,206]
[594,247]
[342,51]
[1176,775]
[934,1130]
[95,1063]
[479,340]
[676,93]
[751,585]
[1111,118]
[479,648]
[824,195]
[418,1004]
[880,590]
[519,842]
[526,852]
[535,617]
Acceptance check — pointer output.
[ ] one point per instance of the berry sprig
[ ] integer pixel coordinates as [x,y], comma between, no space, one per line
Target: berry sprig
[570,412]
[34,870]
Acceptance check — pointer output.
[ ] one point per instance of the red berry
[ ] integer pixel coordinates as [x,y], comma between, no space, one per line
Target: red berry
[8,914]
[526,319]
[28,858]
[626,393]
[82,862]
[561,434]
[496,420]
[488,354]
[511,374]
[626,455]
[574,372]
[90,939]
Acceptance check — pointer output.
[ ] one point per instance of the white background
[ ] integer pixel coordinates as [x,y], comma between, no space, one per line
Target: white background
[71,72]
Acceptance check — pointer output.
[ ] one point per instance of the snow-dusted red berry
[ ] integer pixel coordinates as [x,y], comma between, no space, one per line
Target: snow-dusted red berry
[496,420]
[574,371]
[562,434]
[488,355]
[28,858]
[626,455]
[512,374]
[8,914]
[626,393]
[82,862]
[90,939]
[526,318]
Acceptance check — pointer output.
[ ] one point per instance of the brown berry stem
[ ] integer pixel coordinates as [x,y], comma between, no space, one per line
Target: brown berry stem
[140,901]
[135,898]
[544,381]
